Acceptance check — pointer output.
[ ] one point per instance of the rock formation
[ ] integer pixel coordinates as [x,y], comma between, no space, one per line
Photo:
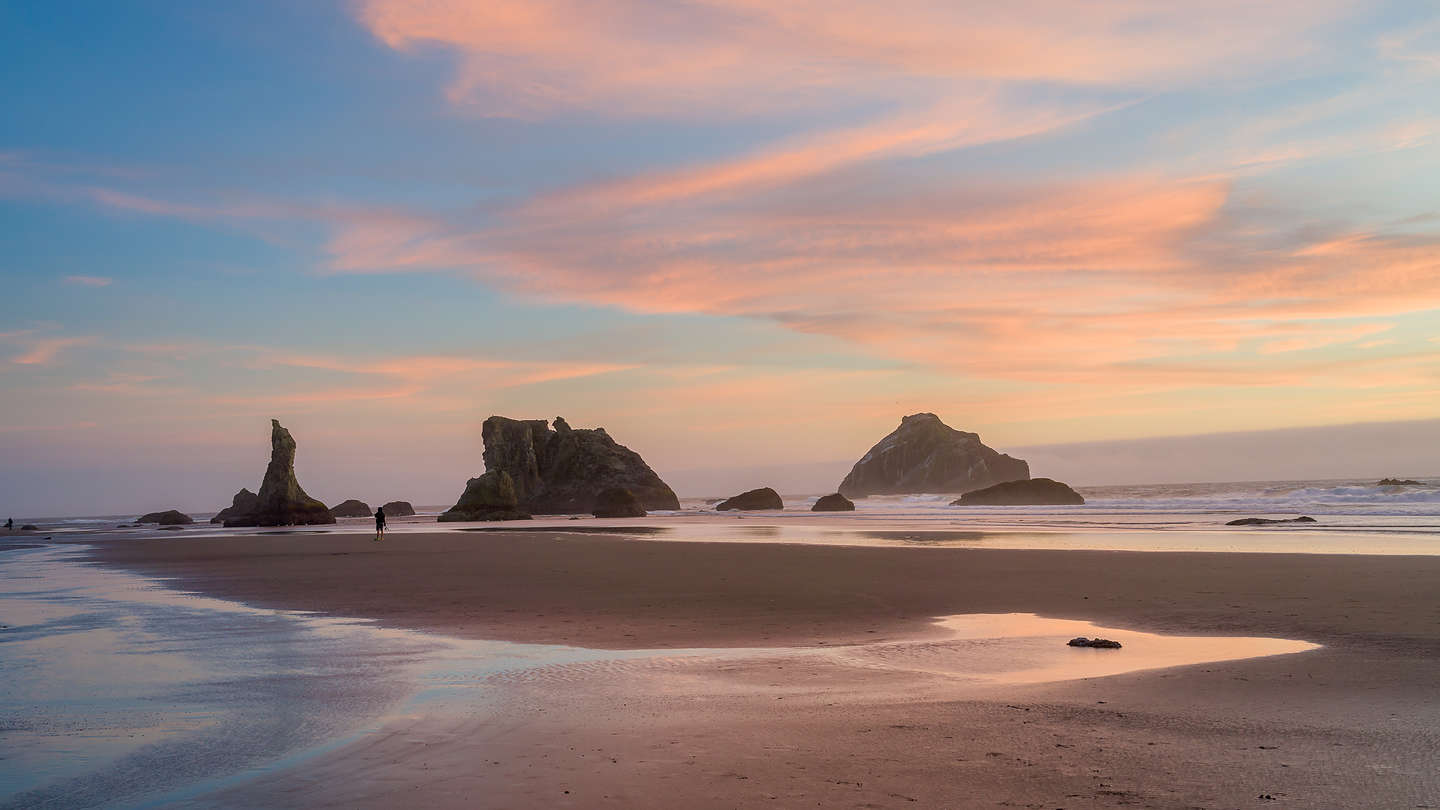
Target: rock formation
[244,503]
[926,455]
[1096,643]
[563,470]
[352,508]
[398,509]
[29,527]
[170,517]
[1027,492]
[762,498]
[1399,482]
[617,502]
[281,501]
[1268,521]
[833,503]
[489,497]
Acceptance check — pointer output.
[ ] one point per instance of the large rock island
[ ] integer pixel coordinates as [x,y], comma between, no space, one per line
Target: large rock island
[281,500]
[563,470]
[927,455]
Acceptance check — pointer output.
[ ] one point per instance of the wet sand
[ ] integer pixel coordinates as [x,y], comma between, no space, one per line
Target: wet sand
[1350,725]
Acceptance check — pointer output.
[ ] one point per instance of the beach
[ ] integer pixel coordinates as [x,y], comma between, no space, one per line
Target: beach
[873,721]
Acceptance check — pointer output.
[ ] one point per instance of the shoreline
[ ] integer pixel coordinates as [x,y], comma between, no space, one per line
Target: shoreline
[1349,725]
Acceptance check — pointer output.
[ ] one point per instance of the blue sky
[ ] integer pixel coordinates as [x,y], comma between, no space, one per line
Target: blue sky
[742,236]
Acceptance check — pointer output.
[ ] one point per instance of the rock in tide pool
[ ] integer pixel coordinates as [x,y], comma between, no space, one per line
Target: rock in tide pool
[1097,643]
[833,503]
[617,502]
[1268,521]
[563,470]
[489,497]
[1027,492]
[927,455]
[245,502]
[352,508]
[170,517]
[398,509]
[281,501]
[762,498]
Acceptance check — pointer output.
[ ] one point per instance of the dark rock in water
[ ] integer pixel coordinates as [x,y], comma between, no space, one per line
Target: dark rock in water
[617,502]
[833,503]
[245,502]
[170,517]
[762,498]
[1268,521]
[1097,643]
[171,528]
[281,500]
[489,497]
[352,508]
[1399,482]
[398,509]
[1028,492]
[562,471]
[926,455]
[29,527]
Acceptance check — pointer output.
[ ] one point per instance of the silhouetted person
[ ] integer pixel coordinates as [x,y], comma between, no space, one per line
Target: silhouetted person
[379,523]
[9,524]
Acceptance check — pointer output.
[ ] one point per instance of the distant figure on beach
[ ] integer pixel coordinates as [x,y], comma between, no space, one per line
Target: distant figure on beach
[379,523]
[9,524]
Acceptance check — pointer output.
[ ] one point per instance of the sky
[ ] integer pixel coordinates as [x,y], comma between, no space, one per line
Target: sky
[745,237]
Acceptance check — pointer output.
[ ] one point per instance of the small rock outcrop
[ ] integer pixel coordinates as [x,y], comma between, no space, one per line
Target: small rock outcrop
[1399,482]
[1268,521]
[398,509]
[29,527]
[1028,492]
[170,517]
[281,500]
[762,498]
[352,508]
[245,502]
[617,502]
[833,503]
[1097,643]
[927,455]
[489,497]
[563,470]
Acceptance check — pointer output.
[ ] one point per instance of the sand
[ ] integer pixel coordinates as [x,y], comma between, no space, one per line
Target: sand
[1350,725]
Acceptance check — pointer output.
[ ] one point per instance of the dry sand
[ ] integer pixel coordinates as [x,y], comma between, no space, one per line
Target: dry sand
[1353,725]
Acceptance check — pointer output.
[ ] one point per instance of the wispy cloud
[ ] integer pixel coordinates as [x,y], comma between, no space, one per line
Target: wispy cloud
[89,281]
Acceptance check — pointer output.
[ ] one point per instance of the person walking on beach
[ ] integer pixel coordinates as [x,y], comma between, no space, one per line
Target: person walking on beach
[9,524]
[379,523]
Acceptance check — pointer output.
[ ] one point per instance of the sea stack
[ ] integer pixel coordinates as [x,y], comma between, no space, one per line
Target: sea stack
[281,500]
[1028,492]
[563,470]
[170,517]
[398,509]
[927,455]
[488,497]
[352,508]
[762,498]
[245,502]
[833,503]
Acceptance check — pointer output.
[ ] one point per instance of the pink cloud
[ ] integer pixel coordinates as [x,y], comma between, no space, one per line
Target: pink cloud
[526,57]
